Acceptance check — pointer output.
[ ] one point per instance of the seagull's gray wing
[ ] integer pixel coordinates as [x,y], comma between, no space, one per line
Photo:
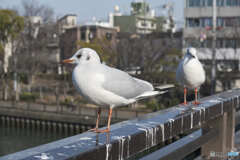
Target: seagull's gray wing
[123,84]
[179,73]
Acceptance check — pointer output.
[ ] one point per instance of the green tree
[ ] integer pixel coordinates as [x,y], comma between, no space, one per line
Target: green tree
[157,55]
[104,48]
[11,24]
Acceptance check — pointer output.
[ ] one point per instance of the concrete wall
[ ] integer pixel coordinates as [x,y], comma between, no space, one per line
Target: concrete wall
[68,114]
[226,32]
[204,12]
[195,12]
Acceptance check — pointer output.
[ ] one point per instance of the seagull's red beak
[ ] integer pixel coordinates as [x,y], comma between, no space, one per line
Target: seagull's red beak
[67,61]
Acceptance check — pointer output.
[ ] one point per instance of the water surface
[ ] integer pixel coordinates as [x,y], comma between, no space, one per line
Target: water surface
[13,139]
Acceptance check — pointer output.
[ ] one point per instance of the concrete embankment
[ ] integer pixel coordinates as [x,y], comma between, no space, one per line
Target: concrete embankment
[77,118]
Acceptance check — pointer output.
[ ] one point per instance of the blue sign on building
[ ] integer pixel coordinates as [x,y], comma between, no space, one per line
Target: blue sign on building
[233,154]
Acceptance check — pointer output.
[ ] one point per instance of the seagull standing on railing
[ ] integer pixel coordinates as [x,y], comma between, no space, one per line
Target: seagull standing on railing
[190,73]
[106,86]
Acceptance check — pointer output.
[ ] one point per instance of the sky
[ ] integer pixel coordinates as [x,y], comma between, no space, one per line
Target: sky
[87,9]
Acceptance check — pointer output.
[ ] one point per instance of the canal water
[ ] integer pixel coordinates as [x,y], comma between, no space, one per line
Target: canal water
[13,139]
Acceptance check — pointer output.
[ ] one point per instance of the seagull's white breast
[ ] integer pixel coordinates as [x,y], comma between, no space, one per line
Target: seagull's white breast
[87,84]
[190,73]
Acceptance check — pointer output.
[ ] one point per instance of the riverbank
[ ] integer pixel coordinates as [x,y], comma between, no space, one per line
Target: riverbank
[83,115]
[25,125]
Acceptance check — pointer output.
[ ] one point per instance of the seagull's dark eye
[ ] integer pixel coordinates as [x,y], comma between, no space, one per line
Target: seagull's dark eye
[79,56]
[88,57]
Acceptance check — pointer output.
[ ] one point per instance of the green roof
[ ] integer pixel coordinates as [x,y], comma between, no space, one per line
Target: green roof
[126,23]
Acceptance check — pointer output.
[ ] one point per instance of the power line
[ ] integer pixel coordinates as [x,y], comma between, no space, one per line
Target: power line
[213,71]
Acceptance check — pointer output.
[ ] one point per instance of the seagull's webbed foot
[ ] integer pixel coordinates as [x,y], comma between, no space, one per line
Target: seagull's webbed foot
[184,104]
[102,131]
[196,103]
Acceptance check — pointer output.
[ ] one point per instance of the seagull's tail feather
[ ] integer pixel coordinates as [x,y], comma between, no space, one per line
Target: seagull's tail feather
[146,95]
[149,94]
[164,87]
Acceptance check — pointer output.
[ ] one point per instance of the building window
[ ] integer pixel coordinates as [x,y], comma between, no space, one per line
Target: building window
[208,22]
[109,36]
[206,44]
[192,42]
[83,36]
[220,43]
[229,22]
[202,3]
[233,2]
[191,3]
[193,22]
[238,21]
[209,43]
[143,24]
[202,22]
[238,43]
[196,3]
[228,2]
[220,3]
[203,44]
[152,24]
[230,43]
[220,22]
[209,2]
[91,36]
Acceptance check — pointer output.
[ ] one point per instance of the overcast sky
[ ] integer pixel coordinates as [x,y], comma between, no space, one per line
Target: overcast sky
[87,9]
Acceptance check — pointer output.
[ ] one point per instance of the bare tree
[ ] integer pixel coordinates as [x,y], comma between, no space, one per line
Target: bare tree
[155,54]
[35,39]
[33,8]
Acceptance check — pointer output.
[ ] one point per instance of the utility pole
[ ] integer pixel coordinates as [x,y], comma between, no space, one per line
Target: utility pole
[214,39]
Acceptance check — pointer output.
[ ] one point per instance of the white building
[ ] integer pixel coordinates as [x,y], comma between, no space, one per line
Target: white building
[66,22]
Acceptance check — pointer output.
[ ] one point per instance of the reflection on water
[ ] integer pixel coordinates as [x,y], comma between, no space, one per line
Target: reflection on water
[13,139]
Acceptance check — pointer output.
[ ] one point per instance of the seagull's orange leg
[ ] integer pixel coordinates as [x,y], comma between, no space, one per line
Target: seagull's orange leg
[196,102]
[185,96]
[97,121]
[109,122]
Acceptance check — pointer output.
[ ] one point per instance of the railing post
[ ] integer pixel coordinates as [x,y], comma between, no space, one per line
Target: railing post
[231,128]
[217,144]
[225,125]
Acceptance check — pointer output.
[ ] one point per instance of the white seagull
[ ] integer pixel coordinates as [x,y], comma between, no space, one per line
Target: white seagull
[190,73]
[106,86]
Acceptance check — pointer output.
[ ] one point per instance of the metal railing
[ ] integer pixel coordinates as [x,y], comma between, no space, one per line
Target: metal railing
[209,126]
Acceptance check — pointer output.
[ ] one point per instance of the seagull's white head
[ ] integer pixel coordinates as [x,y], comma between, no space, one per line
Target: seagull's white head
[84,55]
[192,52]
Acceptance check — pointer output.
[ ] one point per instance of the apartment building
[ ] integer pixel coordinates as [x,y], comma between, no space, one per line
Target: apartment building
[199,22]
[198,31]
[142,19]
[66,22]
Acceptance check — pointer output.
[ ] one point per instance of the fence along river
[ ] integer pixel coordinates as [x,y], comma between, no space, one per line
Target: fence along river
[24,125]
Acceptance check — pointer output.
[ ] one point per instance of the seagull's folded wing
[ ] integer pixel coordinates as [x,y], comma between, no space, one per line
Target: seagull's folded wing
[124,85]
